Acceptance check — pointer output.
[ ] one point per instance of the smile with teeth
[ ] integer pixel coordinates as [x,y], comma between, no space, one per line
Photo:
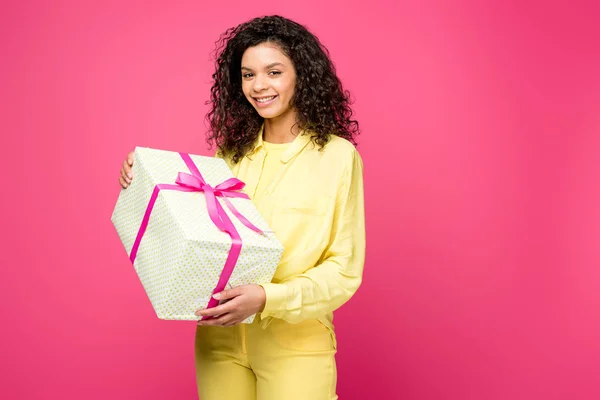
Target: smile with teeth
[264,99]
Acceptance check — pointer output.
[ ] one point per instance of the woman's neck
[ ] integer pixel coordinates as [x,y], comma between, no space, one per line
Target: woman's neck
[281,129]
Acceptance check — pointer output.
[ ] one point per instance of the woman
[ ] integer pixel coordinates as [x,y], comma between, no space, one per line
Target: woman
[282,121]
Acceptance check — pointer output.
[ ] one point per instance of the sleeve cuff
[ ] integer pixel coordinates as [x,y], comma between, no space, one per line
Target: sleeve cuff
[276,295]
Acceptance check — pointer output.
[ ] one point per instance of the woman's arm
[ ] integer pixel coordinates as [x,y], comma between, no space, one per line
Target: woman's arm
[331,283]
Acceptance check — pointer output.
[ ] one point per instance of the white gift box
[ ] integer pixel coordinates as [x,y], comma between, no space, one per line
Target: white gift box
[182,253]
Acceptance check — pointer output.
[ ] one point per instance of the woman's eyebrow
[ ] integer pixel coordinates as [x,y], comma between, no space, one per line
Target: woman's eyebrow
[273,65]
[267,67]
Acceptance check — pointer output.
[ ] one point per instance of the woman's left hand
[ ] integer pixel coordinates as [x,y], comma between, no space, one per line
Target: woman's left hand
[237,304]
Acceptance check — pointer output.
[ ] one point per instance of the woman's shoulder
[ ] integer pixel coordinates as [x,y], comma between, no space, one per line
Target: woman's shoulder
[341,148]
[339,156]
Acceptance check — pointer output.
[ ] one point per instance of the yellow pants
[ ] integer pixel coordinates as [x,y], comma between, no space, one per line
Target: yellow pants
[282,362]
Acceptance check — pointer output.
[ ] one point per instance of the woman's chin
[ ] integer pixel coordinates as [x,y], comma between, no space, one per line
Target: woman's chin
[266,114]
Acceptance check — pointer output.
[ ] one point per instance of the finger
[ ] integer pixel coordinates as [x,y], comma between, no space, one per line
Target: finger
[221,321]
[130,158]
[232,322]
[127,170]
[123,183]
[124,176]
[229,293]
[215,311]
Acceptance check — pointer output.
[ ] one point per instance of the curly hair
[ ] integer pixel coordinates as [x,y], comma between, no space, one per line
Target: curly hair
[321,103]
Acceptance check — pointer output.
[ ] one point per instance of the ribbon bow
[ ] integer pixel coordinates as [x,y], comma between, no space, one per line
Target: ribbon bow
[229,188]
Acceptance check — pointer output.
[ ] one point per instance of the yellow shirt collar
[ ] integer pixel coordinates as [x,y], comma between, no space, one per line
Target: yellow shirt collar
[299,143]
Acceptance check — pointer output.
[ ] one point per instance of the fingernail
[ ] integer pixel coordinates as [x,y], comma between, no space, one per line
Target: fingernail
[130,175]
[217,296]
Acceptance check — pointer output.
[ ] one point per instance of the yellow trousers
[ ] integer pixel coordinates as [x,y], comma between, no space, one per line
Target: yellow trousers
[282,362]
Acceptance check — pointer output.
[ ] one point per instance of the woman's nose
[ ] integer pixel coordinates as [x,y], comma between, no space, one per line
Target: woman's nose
[259,84]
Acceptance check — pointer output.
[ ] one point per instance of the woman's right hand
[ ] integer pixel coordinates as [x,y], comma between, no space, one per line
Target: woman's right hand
[126,174]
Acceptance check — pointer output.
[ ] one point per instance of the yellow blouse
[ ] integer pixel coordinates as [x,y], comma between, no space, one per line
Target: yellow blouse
[272,166]
[314,202]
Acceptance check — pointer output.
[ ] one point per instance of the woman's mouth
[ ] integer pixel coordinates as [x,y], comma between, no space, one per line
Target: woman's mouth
[264,101]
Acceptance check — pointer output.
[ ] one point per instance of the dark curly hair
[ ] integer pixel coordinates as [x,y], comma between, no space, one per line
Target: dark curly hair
[321,103]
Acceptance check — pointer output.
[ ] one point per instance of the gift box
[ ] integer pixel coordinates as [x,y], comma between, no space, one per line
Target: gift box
[190,232]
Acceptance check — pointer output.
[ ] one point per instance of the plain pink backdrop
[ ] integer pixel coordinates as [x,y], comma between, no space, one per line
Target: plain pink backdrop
[481,144]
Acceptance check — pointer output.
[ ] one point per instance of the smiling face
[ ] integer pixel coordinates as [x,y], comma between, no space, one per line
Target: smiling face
[268,80]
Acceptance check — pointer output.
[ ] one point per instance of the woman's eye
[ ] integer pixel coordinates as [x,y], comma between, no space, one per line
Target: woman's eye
[248,75]
[275,72]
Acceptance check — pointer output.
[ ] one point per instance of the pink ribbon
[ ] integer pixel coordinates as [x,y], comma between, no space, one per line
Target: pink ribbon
[194,182]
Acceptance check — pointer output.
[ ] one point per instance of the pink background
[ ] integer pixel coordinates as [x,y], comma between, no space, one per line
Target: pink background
[481,143]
